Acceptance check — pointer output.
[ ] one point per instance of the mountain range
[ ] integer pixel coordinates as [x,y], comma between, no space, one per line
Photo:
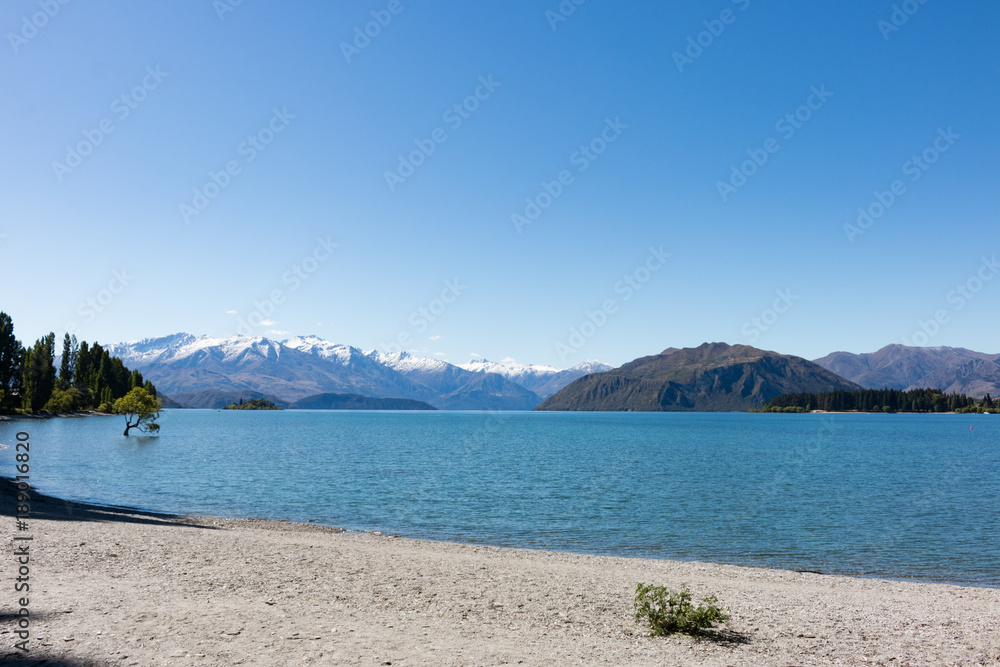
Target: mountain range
[207,372]
[212,372]
[711,377]
[951,369]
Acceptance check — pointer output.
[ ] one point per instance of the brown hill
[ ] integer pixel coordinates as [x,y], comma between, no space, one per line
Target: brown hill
[711,377]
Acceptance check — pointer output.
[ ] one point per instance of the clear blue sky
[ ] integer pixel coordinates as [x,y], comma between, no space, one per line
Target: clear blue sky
[198,81]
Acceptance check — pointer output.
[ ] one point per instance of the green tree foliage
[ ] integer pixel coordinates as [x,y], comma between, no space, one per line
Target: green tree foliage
[82,370]
[101,378]
[874,400]
[63,400]
[88,376]
[105,400]
[68,361]
[140,409]
[11,360]
[987,405]
[252,404]
[39,374]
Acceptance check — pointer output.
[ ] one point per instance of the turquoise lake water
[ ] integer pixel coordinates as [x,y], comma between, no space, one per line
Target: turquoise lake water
[894,496]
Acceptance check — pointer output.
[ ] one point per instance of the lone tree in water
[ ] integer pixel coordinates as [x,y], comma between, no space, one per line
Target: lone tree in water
[138,405]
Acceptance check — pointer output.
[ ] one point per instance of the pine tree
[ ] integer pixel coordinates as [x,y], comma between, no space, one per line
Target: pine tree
[106,401]
[119,377]
[11,361]
[100,382]
[68,363]
[82,376]
[82,370]
[39,375]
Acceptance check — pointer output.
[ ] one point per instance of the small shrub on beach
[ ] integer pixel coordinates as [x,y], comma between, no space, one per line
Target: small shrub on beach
[667,612]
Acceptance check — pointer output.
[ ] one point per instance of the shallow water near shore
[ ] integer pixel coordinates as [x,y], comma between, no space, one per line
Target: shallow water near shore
[892,496]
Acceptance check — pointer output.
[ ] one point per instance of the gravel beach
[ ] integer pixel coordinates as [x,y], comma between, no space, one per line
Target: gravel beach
[121,587]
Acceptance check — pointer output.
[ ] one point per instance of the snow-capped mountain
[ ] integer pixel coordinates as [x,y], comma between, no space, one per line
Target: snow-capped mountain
[543,380]
[404,362]
[183,364]
[508,370]
[323,348]
[457,385]
[185,348]
[200,369]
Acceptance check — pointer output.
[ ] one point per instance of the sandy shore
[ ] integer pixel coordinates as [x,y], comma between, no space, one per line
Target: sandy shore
[113,587]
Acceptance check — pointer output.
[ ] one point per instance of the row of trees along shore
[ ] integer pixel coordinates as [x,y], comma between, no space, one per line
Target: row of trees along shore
[881,400]
[88,378]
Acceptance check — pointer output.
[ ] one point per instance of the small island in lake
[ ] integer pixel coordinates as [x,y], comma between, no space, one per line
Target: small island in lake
[357,402]
[252,404]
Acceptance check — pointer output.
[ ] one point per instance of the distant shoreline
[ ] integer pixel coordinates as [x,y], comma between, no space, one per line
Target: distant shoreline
[58,415]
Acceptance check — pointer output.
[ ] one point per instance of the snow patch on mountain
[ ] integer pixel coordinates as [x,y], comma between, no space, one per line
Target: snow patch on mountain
[404,362]
[508,370]
[323,349]
[183,345]
[295,367]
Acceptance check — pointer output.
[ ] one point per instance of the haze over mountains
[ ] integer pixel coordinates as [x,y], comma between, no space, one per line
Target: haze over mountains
[543,380]
[711,377]
[209,372]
